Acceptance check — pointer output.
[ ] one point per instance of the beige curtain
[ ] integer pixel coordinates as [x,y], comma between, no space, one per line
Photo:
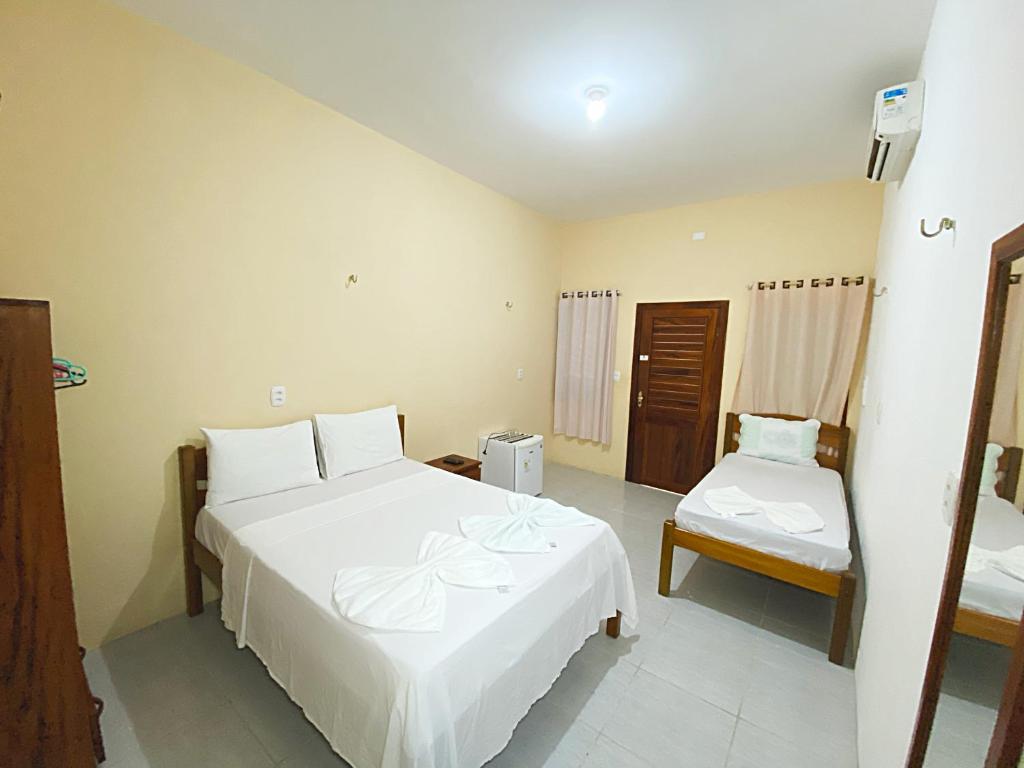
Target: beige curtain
[1003,429]
[801,346]
[584,363]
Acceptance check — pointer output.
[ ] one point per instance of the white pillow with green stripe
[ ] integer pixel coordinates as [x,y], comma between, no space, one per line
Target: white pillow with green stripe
[990,470]
[792,442]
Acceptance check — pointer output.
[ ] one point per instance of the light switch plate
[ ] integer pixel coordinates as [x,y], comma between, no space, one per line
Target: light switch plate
[277,396]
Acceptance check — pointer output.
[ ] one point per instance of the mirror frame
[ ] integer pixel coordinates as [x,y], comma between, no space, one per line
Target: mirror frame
[1008,736]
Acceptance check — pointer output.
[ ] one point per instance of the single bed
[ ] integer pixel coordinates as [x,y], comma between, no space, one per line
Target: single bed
[991,602]
[403,699]
[817,561]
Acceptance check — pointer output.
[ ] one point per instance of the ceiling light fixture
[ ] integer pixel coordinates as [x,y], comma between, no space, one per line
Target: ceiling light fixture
[596,104]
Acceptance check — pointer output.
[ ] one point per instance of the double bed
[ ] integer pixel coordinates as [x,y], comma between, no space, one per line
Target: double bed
[403,699]
[991,602]
[816,561]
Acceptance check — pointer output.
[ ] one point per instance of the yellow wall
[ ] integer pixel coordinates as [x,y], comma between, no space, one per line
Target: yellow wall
[820,230]
[193,223]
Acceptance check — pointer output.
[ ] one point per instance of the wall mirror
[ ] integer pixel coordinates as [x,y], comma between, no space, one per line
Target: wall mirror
[971,713]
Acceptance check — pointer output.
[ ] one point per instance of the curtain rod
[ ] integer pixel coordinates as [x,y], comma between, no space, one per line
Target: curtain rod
[599,292]
[814,282]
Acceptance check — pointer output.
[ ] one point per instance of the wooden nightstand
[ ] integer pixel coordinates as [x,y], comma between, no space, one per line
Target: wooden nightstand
[468,468]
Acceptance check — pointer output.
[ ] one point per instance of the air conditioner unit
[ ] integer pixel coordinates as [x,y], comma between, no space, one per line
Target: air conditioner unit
[897,127]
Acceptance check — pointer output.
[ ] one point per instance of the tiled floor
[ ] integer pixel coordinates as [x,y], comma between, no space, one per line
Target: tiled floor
[729,672]
[971,689]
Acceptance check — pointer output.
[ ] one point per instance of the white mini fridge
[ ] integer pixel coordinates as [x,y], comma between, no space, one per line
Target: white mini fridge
[513,460]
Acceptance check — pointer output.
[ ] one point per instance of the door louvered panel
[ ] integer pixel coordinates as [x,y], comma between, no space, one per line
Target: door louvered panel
[677,379]
[678,347]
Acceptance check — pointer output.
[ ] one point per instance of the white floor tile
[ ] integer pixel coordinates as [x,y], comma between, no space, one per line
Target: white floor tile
[960,735]
[607,754]
[803,698]
[754,747]
[667,726]
[548,736]
[705,653]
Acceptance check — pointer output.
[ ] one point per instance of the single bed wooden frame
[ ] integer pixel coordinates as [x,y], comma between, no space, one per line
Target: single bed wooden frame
[987,626]
[199,560]
[833,443]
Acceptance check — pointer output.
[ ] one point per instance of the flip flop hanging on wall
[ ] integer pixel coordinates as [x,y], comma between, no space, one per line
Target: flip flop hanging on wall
[67,374]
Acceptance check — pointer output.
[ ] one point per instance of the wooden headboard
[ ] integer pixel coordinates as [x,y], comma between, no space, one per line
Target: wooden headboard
[833,441]
[193,472]
[1008,473]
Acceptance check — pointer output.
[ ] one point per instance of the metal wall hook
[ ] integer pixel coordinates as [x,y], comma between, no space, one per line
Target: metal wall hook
[351,280]
[945,224]
[508,305]
[880,293]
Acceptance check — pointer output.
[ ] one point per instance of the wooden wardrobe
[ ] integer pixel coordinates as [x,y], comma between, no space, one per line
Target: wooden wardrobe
[48,716]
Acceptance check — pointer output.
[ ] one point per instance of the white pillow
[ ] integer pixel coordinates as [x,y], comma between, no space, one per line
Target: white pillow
[352,442]
[243,463]
[792,442]
[989,470]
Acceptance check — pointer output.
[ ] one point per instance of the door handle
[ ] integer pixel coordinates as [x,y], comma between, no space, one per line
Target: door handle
[639,399]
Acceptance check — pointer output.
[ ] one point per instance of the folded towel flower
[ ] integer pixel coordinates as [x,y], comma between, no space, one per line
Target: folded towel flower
[1008,561]
[413,599]
[791,516]
[519,530]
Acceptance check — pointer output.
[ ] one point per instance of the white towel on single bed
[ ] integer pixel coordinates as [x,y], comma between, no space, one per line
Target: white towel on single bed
[1008,561]
[412,599]
[519,531]
[791,516]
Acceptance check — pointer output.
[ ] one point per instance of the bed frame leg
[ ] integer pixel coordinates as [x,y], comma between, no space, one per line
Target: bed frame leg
[667,551]
[841,623]
[613,625]
[193,584]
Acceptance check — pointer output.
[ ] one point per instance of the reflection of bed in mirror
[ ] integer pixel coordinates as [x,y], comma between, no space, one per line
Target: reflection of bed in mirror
[991,602]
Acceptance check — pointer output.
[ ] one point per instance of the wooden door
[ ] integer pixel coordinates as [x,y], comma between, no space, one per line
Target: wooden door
[678,350]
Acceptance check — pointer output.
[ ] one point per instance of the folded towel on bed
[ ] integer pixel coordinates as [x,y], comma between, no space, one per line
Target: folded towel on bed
[1008,561]
[412,599]
[519,531]
[791,516]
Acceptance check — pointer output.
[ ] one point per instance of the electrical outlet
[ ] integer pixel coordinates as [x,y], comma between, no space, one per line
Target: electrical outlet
[277,396]
[520,373]
[617,376]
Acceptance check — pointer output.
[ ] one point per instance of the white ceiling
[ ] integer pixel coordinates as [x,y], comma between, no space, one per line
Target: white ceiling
[708,98]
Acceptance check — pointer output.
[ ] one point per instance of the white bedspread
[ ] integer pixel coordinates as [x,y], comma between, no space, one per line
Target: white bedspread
[399,699]
[998,525]
[822,489]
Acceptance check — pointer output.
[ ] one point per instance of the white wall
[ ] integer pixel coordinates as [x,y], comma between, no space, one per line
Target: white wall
[923,347]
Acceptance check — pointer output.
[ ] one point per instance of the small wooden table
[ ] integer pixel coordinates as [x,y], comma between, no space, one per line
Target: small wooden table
[468,468]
